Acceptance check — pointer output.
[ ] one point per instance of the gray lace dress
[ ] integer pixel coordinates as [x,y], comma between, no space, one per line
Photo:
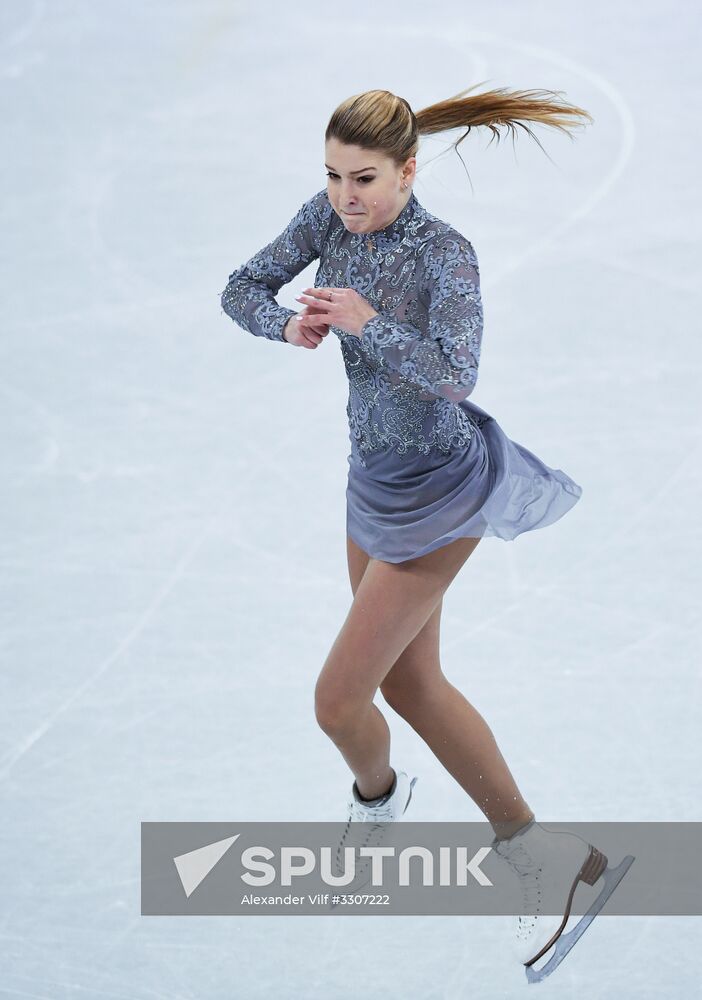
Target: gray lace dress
[426,464]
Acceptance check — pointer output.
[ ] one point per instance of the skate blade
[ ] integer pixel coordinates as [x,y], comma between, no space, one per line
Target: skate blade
[565,942]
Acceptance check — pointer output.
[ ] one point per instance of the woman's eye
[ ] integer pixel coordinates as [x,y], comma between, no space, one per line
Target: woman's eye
[366,179]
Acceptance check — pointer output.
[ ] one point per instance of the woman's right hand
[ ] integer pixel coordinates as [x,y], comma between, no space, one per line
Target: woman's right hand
[305,329]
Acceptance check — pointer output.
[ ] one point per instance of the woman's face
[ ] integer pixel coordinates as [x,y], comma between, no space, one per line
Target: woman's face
[365,187]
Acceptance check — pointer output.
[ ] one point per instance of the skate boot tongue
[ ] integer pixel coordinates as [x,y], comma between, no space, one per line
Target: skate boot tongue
[507,846]
[380,810]
[372,803]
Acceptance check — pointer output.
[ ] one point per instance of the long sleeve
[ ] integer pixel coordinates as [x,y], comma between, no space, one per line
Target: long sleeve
[445,359]
[249,297]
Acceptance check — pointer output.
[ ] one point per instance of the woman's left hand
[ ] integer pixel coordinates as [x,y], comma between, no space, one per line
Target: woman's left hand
[346,309]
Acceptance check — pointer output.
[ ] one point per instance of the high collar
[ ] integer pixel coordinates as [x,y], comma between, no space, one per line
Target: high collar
[398,227]
[398,223]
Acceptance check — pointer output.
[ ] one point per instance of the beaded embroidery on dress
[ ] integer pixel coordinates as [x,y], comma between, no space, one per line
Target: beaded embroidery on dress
[418,359]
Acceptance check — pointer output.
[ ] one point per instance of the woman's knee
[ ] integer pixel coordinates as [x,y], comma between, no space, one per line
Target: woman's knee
[336,715]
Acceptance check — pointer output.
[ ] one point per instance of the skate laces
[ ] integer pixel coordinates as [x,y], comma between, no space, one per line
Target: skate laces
[377,816]
[360,813]
[527,870]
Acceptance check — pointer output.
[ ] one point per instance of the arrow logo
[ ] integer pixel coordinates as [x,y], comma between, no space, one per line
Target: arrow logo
[194,866]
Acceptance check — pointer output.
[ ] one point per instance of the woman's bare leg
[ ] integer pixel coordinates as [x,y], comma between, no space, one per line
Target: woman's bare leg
[391,605]
[417,689]
[461,739]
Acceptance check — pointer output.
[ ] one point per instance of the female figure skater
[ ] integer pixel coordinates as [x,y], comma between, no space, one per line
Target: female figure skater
[430,473]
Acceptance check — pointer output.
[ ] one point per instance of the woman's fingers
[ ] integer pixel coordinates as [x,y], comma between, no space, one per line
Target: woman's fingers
[308,323]
[312,328]
[309,315]
[312,339]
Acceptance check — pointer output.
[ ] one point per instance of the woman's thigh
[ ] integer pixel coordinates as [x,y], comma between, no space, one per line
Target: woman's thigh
[392,603]
[418,664]
[357,560]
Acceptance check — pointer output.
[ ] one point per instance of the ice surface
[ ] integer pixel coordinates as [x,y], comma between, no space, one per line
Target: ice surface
[173,545]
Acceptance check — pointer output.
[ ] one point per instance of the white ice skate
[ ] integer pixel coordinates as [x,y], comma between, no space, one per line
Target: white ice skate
[558,861]
[367,826]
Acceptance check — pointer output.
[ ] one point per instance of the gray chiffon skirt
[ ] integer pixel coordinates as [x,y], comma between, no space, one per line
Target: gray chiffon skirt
[402,506]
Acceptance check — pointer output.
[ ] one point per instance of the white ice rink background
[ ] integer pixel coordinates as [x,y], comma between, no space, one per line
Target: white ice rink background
[173,550]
